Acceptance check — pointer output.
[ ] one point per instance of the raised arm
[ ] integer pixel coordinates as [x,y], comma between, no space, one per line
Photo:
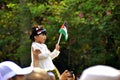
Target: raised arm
[55,52]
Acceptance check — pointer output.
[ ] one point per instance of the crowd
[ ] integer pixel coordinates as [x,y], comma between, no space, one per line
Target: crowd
[11,71]
[42,67]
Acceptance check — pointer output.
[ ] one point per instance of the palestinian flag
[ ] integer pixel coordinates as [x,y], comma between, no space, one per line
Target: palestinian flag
[63,30]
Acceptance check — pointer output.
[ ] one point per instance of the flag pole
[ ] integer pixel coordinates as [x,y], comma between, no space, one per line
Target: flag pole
[59,38]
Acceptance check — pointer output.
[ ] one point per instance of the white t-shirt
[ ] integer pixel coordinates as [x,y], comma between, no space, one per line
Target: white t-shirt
[45,57]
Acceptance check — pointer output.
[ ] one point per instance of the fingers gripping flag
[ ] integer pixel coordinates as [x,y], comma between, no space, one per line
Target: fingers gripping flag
[63,30]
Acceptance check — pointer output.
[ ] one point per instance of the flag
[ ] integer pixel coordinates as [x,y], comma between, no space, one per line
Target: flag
[63,30]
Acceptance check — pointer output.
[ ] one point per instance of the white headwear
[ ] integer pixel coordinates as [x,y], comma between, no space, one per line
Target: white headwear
[8,69]
[100,72]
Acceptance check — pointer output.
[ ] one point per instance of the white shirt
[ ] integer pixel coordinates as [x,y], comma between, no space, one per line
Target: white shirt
[45,57]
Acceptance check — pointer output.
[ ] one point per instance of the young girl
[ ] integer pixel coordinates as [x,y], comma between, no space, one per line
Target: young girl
[40,54]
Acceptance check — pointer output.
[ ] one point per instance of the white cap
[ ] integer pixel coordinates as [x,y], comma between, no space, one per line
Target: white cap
[100,72]
[8,69]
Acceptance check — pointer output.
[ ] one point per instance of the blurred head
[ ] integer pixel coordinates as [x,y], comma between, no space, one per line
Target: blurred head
[11,71]
[100,72]
[38,34]
[38,74]
[17,77]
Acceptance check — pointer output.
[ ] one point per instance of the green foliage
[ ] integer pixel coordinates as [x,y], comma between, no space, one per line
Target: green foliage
[94,32]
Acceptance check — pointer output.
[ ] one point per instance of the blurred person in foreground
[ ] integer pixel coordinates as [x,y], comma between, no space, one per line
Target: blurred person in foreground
[40,54]
[100,72]
[41,74]
[11,71]
[38,74]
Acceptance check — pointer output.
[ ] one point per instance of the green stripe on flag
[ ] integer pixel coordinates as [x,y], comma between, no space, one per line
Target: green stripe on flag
[64,33]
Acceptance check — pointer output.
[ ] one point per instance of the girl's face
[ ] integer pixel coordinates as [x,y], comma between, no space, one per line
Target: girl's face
[40,38]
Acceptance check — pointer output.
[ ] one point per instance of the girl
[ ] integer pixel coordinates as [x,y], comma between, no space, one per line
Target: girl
[40,54]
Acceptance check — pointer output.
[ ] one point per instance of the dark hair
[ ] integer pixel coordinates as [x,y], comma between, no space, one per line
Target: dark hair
[37,30]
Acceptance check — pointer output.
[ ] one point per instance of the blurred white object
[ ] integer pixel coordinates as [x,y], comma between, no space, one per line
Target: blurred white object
[100,72]
[8,69]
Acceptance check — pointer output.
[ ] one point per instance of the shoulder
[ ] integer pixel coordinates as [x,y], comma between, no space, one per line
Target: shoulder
[35,44]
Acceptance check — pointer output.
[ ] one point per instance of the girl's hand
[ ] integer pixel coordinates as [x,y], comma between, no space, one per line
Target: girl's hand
[57,47]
